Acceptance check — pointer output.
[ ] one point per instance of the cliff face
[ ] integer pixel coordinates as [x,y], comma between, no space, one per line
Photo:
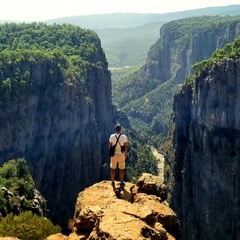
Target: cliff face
[185,42]
[182,43]
[206,140]
[60,127]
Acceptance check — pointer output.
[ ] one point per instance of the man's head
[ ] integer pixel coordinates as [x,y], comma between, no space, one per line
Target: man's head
[118,127]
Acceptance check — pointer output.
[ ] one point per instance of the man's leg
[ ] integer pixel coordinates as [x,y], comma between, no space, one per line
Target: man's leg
[112,173]
[121,174]
[113,165]
[122,170]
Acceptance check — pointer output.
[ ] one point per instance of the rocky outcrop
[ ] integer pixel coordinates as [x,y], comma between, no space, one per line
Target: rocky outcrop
[60,126]
[206,168]
[16,204]
[138,212]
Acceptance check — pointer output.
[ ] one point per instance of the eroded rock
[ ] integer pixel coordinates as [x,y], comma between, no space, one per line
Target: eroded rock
[134,214]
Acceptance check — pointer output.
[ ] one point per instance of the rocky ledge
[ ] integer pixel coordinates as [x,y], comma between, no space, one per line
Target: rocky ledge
[138,212]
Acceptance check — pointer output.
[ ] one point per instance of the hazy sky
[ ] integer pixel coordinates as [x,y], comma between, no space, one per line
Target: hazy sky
[38,10]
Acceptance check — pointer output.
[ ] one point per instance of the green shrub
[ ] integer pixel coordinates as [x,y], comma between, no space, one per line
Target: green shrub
[16,177]
[27,226]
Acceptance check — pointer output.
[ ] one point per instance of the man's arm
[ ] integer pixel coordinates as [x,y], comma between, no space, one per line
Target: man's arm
[126,149]
[110,141]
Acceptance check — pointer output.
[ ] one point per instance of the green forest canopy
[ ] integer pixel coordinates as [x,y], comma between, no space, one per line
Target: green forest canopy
[71,46]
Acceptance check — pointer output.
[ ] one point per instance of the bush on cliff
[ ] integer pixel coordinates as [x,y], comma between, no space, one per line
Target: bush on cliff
[73,48]
[17,189]
[27,226]
[229,51]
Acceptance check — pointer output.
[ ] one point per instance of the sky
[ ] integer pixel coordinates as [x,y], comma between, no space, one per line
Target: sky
[40,10]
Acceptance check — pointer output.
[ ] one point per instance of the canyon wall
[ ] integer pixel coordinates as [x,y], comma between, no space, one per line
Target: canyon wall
[60,126]
[205,155]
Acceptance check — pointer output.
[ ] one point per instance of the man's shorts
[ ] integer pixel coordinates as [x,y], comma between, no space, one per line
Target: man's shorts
[118,158]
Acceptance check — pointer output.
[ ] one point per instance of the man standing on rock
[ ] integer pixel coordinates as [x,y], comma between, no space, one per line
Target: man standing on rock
[120,154]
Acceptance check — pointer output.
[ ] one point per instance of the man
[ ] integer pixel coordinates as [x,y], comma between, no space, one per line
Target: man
[119,156]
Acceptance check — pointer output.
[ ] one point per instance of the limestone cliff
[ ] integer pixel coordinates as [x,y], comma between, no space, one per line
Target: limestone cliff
[187,41]
[182,43]
[206,138]
[138,212]
[60,126]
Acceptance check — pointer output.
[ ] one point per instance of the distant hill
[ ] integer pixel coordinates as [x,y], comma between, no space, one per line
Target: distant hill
[129,20]
[127,37]
[128,46]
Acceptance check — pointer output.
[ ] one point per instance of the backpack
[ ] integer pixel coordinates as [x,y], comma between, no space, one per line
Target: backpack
[112,148]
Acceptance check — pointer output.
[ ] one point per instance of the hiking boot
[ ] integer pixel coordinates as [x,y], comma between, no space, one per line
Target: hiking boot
[113,184]
[122,184]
